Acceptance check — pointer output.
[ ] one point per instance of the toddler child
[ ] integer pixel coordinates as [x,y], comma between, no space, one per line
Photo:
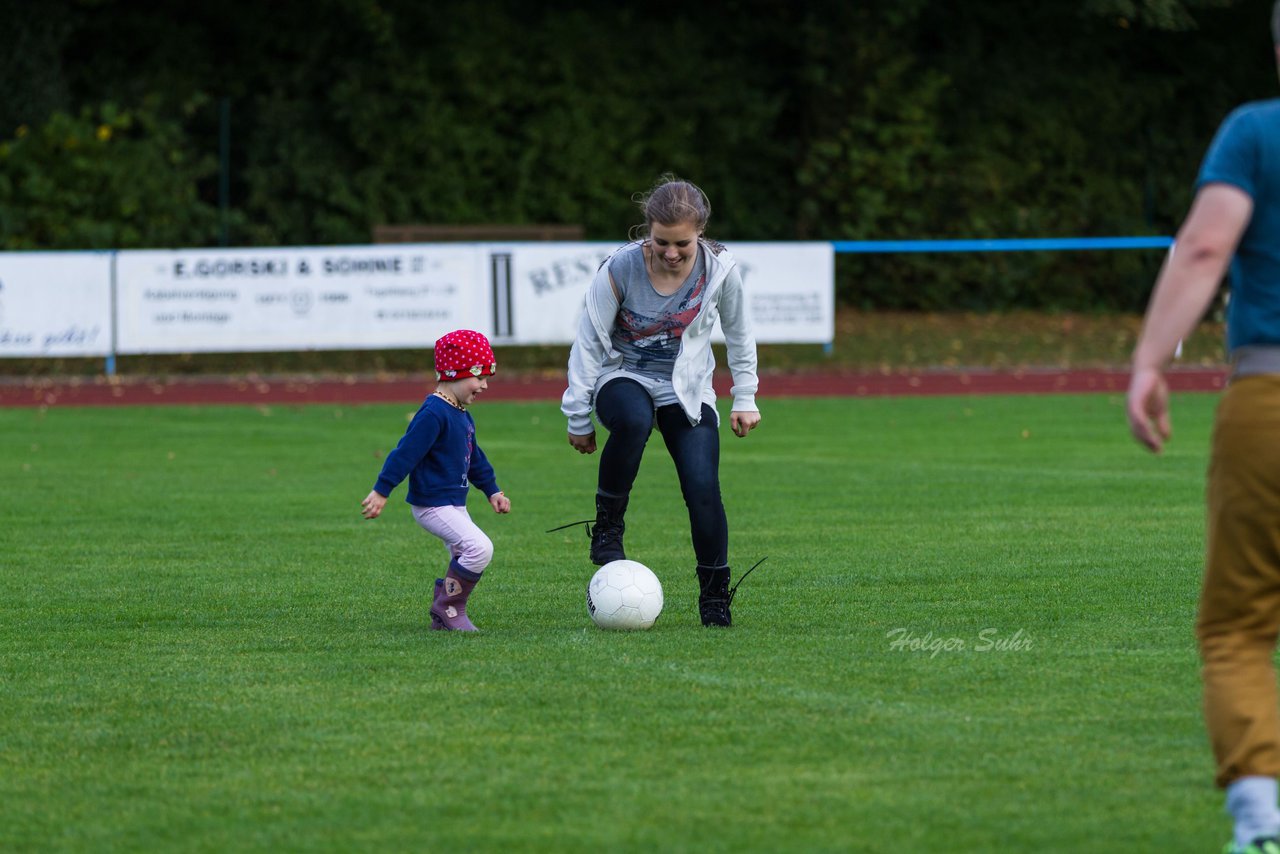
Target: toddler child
[441,458]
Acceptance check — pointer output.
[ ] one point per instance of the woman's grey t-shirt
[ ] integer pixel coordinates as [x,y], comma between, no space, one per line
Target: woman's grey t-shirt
[649,325]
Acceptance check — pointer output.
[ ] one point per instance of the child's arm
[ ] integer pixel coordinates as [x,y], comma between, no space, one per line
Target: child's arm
[417,440]
[482,477]
[480,474]
[371,507]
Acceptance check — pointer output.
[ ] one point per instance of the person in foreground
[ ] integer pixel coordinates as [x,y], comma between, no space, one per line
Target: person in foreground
[1234,220]
[441,458]
[643,356]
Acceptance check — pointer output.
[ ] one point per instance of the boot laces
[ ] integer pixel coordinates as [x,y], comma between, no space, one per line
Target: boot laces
[733,591]
[602,534]
[587,522]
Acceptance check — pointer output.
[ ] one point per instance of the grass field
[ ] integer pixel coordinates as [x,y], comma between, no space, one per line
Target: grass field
[972,633]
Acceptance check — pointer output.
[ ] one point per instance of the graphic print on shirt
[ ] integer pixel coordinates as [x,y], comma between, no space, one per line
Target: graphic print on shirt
[658,338]
[466,462]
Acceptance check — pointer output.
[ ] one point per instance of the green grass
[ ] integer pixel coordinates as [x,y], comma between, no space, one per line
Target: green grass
[204,648]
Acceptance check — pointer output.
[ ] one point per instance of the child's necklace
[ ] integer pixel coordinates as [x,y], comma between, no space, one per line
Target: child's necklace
[438,393]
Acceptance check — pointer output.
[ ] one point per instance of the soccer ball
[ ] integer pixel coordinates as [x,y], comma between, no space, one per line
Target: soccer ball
[624,594]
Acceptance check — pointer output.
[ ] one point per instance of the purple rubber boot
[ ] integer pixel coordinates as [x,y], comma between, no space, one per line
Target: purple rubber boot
[449,607]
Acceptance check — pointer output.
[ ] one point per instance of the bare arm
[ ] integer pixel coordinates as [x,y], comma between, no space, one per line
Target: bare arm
[1186,285]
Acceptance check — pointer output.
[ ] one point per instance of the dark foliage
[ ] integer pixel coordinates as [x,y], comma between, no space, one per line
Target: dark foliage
[869,120]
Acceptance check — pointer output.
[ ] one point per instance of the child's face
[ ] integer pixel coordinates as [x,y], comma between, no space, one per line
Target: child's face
[467,390]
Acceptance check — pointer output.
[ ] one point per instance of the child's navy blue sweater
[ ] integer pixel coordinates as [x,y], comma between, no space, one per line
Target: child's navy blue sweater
[440,456]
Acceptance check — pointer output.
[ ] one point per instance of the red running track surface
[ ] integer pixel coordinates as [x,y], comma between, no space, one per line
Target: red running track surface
[116,391]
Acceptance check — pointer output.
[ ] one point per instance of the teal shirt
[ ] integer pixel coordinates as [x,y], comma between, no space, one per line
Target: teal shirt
[1245,153]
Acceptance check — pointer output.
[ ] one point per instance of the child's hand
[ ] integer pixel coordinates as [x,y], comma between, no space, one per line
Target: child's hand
[371,507]
[500,503]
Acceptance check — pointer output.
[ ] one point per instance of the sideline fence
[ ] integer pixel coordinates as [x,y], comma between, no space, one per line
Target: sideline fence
[382,295]
[1049,244]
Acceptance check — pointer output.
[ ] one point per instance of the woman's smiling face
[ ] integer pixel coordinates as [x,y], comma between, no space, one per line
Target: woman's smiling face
[674,246]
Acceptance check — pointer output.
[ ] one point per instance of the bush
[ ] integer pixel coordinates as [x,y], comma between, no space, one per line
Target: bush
[106,179]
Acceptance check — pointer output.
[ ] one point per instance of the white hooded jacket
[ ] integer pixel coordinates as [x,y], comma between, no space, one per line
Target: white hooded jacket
[593,356]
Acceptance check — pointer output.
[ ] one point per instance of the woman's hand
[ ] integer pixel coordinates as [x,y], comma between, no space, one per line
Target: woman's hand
[743,423]
[583,444]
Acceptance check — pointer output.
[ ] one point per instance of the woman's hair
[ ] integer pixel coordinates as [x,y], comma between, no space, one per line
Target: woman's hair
[671,202]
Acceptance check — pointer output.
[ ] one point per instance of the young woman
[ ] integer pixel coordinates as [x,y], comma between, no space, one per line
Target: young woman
[643,357]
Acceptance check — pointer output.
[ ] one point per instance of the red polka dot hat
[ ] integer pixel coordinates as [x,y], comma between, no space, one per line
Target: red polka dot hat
[464,353]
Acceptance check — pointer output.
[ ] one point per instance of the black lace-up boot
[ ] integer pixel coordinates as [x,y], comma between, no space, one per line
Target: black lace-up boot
[714,600]
[606,535]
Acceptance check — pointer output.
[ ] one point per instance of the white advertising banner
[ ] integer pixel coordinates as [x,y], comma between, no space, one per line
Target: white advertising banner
[790,289]
[355,297]
[309,298]
[55,304]
[548,281]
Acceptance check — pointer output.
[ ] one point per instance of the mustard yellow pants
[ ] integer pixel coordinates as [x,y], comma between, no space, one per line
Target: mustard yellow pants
[1239,616]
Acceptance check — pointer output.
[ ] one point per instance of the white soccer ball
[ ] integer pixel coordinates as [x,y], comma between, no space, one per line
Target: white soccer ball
[624,594]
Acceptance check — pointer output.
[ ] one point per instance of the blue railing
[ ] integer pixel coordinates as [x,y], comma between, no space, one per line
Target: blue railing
[1047,244]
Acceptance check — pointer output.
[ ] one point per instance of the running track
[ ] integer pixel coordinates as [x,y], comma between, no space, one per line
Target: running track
[115,391]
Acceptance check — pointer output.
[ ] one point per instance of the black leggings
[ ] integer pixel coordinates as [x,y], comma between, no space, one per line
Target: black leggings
[626,410]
